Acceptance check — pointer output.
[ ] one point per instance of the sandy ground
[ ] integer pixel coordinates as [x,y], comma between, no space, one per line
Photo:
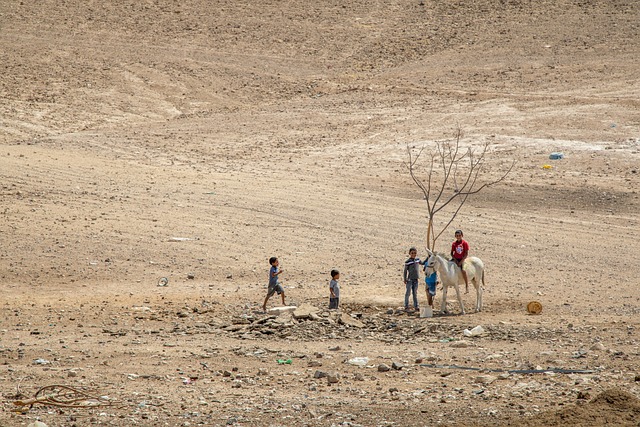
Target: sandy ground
[193,140]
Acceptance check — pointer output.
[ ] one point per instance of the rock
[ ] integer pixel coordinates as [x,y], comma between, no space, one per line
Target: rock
[397,366]
[314,364]
[358,361]
[37,424]
[460,344]
[305,311]
[383,368]
[279,310]
[320,374]
[286,319]
[313,316]
[598,347]
[583,395]
[485,379]
[333,378]
[347,320]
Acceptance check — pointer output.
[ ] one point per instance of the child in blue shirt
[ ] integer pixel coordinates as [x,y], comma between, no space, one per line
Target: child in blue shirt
[431,280]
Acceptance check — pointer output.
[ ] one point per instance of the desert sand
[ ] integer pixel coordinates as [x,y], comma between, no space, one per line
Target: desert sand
[155,154]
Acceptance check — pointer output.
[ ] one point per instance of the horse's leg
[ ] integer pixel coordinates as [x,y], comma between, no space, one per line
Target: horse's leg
[473,278]
[443,307]
[476,283]
[457,285]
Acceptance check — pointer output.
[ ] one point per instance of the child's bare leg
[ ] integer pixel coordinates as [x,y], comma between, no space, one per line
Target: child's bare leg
[429,299]
[466,281]
[264,305]
[282,295]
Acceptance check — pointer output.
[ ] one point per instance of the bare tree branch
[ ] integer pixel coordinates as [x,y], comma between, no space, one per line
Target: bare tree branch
[449,174]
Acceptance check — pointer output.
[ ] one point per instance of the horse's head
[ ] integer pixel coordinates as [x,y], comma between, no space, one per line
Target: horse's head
[430,263]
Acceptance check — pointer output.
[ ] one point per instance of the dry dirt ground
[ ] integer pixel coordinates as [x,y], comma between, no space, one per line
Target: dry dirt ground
[194,139]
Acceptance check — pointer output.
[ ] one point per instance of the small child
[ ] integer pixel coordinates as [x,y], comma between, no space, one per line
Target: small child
[431,280]
[459,253]
[411,274]
[334,290]
[274,284]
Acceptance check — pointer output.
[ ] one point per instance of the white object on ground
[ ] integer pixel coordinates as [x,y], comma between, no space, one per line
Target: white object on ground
[478,330]
[279,310]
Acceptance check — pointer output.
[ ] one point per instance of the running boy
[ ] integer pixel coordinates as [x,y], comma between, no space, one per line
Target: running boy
[274,284]
[334,290]
[460,252]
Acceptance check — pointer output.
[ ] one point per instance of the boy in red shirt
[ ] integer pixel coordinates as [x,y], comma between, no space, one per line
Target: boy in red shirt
[459,252]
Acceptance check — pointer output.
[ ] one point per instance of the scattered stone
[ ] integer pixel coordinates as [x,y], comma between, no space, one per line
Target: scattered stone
[314,364]
[285,319]
[383,368]
[460,344]
[583,395]
[305,311]
[397,366]
[347,320]
[279,310]
[358,361]
[598,347]
[320,374]
[485,379]
[333,378]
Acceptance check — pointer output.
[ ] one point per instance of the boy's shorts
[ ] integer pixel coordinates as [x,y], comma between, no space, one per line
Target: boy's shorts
[273,289]
[334,303]
[431,286]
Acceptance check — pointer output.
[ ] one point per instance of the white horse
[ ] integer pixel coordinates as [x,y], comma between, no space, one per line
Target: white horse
[451,275]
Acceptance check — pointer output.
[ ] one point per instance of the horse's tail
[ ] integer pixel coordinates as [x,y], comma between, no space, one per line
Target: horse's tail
[483,284]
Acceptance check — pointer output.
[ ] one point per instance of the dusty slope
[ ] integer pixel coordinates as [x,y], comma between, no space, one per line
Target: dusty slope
[259,129]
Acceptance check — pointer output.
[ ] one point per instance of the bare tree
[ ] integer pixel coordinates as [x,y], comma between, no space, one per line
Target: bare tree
[451,174]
